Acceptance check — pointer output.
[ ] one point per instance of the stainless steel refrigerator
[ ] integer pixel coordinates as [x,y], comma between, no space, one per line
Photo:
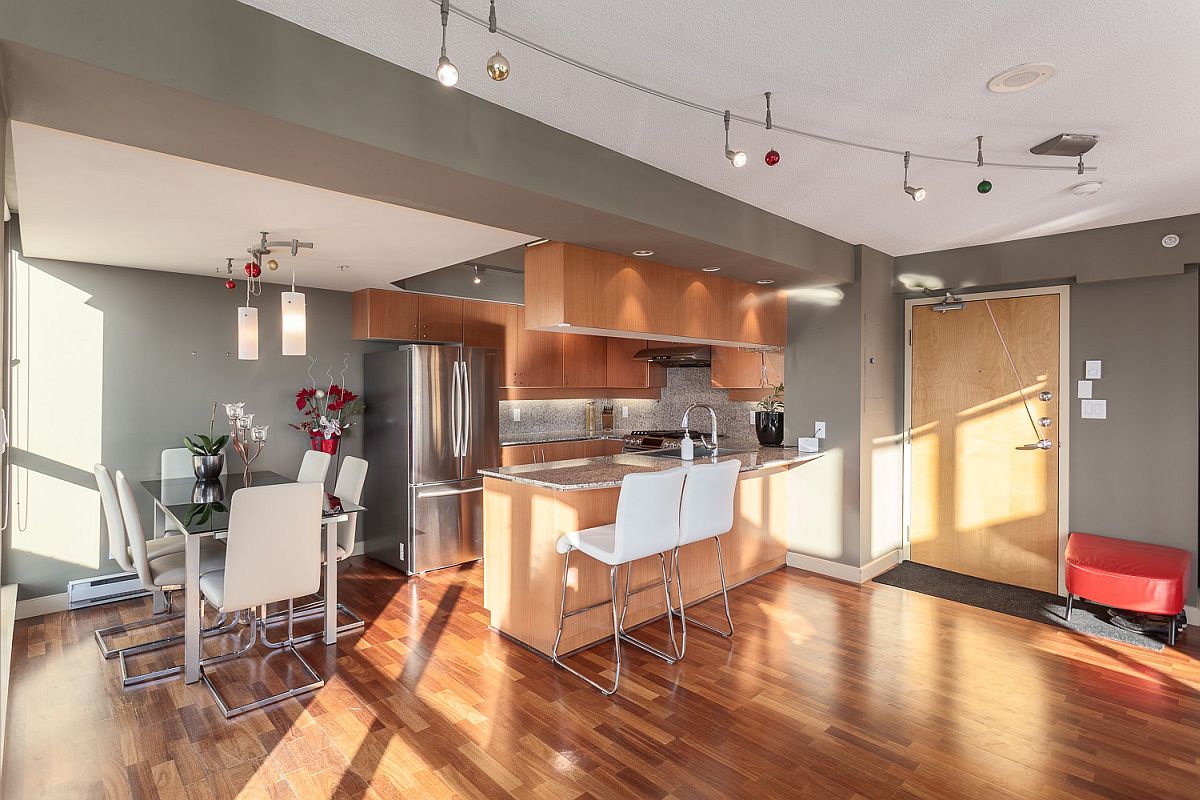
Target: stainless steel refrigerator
[432,420]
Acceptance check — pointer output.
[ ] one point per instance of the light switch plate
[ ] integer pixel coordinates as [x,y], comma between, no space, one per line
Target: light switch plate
[1094,409]
[1085,390]
[819,431]
[1091,370]
[624,411]
[516,412]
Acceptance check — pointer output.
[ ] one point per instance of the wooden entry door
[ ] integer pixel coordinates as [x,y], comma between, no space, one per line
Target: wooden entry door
[980,506]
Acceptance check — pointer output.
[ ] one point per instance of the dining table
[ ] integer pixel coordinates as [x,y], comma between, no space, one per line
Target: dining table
[200,509]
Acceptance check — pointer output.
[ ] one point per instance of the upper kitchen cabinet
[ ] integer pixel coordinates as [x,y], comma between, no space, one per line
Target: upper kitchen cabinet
[623,372]
[605,293]
[441,318]
[535,357]
[383,314]
[585,360]
[741,369]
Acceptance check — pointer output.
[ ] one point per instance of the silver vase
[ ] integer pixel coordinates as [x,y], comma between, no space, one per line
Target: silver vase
[208,468]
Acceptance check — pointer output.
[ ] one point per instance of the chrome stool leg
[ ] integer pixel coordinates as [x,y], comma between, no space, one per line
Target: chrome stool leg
[159,617]
[670,617]
[223,625]
[315,682]
[724,595]
[562,617]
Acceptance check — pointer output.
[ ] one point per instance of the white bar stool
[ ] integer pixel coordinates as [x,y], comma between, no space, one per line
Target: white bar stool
[266,563]
[706,512]
[647,524]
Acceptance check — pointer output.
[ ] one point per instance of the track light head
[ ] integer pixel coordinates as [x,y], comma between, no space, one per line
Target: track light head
[447,73]
[917,193]
[736,157]
[477,279]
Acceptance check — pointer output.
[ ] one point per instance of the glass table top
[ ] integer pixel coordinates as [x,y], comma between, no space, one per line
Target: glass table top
[203,506]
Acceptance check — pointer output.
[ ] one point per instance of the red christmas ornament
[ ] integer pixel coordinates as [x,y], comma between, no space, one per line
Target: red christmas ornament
[229,284]
[253,270]
[772,158]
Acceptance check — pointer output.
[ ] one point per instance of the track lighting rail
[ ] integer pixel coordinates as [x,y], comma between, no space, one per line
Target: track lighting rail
[719,112]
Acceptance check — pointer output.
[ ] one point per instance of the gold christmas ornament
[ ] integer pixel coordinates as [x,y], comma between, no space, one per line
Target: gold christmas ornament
[497,67]
[272,265]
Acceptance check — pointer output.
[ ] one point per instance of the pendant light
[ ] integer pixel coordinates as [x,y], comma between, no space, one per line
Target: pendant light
[736,157]
[447,73]
[292,316]
[915,192]
[497,65]
[247,329]
[772,156]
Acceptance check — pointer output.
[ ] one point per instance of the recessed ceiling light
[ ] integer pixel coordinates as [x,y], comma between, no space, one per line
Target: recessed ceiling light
[1087,187]
[643,253]
[764,282]
[1020,78]
[710,269]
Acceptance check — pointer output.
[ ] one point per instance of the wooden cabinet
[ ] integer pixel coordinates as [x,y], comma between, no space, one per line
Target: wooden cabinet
[441,318]
[488,325]
[739,369]
[585,360]
[606,293]
[622,371]
[383,314]
[517,454]
[538,358]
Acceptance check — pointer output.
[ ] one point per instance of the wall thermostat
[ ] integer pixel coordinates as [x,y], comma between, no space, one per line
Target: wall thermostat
[1170,240]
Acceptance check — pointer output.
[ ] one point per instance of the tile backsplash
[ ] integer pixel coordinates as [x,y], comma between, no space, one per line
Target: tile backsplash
[684,387]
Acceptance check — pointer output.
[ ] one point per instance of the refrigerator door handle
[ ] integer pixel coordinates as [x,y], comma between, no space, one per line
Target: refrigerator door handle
[455,411]
[448,492]
[466,417]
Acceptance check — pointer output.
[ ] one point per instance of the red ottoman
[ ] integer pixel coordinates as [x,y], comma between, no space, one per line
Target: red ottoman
[1134,576]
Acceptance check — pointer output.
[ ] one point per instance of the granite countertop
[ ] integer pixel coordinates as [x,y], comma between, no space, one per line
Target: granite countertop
[603,472]
[557,436]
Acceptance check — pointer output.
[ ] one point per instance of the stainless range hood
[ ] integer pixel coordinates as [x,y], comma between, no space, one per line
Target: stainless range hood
[683,355]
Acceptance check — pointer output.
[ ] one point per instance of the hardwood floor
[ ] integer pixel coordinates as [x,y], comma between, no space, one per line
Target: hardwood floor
[828,690]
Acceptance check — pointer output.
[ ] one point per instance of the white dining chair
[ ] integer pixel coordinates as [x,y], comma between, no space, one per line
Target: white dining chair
[119,551]
[647,525]
[314,466]
[705,512]
[265,524]
[164,573]
[348,487]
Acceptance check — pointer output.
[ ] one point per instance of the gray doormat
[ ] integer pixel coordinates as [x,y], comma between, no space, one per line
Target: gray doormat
[1016,601]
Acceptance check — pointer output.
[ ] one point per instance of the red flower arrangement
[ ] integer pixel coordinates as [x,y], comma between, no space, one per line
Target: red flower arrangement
[328,413]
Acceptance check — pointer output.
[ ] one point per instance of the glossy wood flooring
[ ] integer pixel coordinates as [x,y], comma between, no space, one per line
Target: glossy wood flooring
[828,690]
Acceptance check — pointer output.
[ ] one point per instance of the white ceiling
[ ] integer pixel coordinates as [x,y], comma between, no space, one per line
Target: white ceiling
[889,72]
[88,200]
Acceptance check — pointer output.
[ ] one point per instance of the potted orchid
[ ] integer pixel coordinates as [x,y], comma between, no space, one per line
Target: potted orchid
[328,414]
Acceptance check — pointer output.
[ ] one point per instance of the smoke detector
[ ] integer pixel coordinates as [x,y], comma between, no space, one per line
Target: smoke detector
[1020,78]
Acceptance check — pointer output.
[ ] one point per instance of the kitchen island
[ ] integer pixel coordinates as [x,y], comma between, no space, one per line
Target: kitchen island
[526,508]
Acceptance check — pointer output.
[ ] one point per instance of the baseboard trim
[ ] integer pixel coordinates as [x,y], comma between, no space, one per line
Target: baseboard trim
[36,606]
[844,572]
[1193,614]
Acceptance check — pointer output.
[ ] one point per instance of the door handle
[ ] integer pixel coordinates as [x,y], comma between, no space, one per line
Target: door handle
[448,492]
[455,423]
[466,407]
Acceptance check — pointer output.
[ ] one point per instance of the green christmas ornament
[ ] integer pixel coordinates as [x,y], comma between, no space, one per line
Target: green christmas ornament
[984,187]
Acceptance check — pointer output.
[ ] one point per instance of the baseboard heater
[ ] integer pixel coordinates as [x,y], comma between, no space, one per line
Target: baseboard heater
[88,592]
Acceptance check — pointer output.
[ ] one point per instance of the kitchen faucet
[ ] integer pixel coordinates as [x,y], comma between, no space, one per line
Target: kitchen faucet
[712,414]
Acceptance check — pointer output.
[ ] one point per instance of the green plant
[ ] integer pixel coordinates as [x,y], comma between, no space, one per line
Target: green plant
[206,445]
[774,401]
[201,513]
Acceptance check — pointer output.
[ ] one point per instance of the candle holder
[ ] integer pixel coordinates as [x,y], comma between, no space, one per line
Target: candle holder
[248,440]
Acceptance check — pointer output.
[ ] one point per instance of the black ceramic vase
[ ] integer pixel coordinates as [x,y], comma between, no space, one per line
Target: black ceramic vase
[768,426]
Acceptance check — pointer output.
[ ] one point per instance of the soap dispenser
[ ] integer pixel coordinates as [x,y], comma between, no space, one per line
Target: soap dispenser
[687,450]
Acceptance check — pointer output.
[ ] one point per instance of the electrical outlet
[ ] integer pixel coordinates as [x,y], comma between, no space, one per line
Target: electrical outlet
[624,411]
[516,414]
[819,430]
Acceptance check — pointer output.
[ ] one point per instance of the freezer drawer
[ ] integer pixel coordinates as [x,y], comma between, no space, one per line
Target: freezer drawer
[447,524]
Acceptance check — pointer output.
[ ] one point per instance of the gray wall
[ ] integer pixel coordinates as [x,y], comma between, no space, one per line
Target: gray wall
[458,281]
[1134,475]
[163,341]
